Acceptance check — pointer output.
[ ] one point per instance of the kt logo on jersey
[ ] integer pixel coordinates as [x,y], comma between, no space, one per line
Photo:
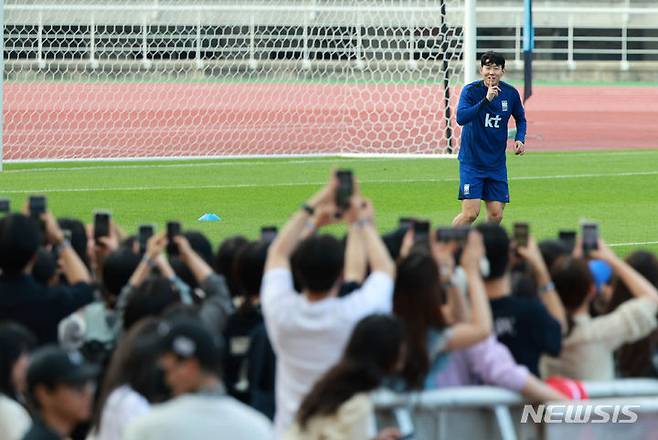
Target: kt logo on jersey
[491,122]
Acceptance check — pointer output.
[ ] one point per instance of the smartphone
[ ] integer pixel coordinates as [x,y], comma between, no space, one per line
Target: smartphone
[448,234]
[590,234]
[4,206]
[144,232]
[101,225]
[173,229]
[405,223]
[345,188]
[568,238]
[268,233]
[521,232]
[37,206]
[421,230]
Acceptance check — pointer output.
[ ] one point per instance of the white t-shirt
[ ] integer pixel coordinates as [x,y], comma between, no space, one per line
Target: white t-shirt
[200,417]
[122,406]
[14,419]
[309,337]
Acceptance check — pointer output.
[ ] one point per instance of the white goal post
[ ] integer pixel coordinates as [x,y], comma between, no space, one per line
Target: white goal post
[198,78]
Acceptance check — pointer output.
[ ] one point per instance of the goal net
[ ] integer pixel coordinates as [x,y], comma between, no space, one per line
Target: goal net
[110,79]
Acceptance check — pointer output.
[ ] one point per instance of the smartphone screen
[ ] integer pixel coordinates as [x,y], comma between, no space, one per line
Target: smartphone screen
[590,234]
[345,188]
[421,230]
[143,234]
[521,232]
[37,206]
[268,233]
[4,206]
[568,238]
[173,229]
[101,225]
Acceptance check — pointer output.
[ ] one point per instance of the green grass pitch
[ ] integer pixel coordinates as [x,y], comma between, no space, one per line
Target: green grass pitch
[550,190]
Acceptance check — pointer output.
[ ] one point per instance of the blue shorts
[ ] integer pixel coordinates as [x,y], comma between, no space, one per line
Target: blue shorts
[477,184]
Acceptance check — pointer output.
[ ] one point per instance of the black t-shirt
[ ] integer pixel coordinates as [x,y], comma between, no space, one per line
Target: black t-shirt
[38,307]
[527,329]
[40,431]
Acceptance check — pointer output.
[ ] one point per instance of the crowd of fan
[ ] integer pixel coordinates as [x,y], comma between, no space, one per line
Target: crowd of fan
[287,339]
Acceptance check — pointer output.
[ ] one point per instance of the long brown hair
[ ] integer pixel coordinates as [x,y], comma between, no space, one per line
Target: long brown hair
[417,301]
[372,352]
[573,282]
[133,363]
[635,360]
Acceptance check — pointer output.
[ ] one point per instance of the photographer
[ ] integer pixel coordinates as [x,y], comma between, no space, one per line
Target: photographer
[309,331]
[38,307]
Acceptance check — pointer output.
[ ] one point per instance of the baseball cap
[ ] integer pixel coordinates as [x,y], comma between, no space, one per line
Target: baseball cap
[52,365]
[190,339]
[601,271]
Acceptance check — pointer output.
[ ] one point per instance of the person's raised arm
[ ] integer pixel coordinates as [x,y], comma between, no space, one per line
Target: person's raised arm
[197,265]
[547,293]
[480,324]
[154,248]
[73,267]
[278,255]
[639,286]
[378,257]
[468,107]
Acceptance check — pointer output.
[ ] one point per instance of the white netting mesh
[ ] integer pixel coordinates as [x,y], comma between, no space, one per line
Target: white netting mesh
[195,78]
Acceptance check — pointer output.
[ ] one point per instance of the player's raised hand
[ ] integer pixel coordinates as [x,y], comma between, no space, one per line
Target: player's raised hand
[519,148]
[492,91]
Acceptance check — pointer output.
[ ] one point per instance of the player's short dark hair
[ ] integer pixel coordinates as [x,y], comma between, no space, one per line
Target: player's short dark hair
[492,57]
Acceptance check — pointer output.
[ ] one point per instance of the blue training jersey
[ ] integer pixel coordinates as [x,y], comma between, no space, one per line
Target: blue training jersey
[484,136]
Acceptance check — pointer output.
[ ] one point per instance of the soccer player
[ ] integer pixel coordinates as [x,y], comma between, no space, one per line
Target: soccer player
[484,109]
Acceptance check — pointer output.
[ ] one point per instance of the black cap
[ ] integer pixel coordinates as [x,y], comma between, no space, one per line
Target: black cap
[190,339]
[52,365]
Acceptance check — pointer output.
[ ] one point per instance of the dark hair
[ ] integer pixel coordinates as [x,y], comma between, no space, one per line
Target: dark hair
[635,359]
[573,282]
[20,237]
[118,267]
[151,298]
[45,267]
[200,244]
[224,261]
[497,246]
[133,363]
[417,302]
[249,266]
[551,250]
[319,262]
[371,353]
[78,237]
[491,57]
[15,339]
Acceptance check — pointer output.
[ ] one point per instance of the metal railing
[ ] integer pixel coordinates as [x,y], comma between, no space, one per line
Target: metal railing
[487,412]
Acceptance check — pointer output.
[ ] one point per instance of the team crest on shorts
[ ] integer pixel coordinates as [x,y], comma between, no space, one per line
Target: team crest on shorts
[467,189]
[504,104]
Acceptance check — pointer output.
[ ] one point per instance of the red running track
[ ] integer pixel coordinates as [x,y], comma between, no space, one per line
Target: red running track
[68,120]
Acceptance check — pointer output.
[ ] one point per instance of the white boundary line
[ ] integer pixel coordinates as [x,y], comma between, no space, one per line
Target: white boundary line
[234,160]
[291,184]
[633,243]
